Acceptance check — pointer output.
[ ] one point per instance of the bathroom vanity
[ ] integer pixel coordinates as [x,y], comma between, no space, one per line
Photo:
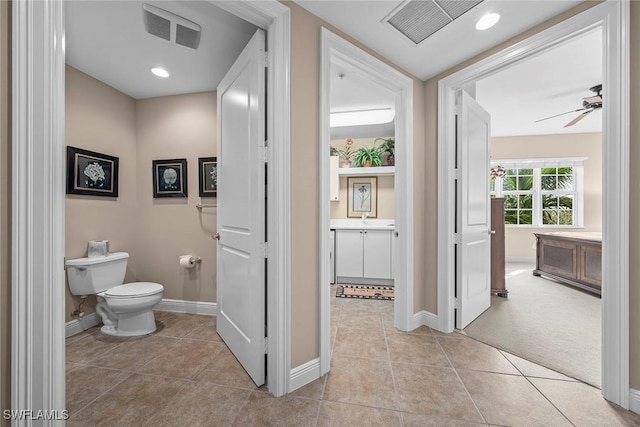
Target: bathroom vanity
[364,251]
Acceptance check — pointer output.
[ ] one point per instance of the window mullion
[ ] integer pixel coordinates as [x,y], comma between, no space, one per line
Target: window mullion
[537,197]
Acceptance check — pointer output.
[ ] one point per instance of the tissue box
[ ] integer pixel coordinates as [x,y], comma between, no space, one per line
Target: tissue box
[98,248]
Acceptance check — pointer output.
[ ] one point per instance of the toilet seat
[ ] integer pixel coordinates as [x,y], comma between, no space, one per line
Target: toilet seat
[133,290]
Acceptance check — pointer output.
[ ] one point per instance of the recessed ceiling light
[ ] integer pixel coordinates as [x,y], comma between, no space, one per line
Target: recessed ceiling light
[160,72]
[487,21]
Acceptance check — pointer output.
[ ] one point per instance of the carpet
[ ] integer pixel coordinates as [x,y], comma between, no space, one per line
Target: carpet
[365,292]
[546,322]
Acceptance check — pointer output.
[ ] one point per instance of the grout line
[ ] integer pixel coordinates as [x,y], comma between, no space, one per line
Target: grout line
[105,392]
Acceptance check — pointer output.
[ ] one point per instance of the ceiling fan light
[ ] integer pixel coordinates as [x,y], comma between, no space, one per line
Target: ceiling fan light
[160,72]
[487,21]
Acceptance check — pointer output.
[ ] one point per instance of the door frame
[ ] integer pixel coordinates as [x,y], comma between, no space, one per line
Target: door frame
[613,18]
[38,206]
[334,48]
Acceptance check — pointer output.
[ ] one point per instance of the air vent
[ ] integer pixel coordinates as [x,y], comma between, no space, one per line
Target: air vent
[419,19]
[171,27]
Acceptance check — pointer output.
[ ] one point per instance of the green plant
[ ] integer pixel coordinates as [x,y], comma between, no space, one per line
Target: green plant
[347,154]
[367,153]
[388,145]
[333,151]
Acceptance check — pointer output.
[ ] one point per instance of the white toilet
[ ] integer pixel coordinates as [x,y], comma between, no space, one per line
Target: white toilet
[126,310]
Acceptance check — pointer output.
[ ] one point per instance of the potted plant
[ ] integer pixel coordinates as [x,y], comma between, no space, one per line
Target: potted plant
[347,154]
[388,146]
[367,157]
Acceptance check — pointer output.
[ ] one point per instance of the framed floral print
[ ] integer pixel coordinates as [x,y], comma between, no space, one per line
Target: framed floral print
[91,174]
[362,196]
[170,178]
[208,173]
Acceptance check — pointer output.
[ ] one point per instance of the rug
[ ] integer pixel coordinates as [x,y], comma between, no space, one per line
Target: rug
[365,292]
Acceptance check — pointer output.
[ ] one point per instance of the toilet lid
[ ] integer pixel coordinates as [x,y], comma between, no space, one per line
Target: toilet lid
[137,289]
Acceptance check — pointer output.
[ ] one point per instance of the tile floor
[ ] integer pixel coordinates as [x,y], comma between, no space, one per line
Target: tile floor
[184,375]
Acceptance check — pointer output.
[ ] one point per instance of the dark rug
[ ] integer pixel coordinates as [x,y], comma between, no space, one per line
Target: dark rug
[365,292]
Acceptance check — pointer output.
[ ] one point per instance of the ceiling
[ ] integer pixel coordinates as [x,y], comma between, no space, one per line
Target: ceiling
[108,40]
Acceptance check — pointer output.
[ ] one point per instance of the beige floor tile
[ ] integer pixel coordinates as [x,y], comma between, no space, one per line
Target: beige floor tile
[206,330]
[361,343]
[341,414]
[433,391]
[584,404]
[360,320]
[263,410]
[361,381]
[176,324]
[224,369]
[466,353]
[530,369]
[419,420]
[182,360]
[510,400]
[91,346]
[416,349]
[313,390]
[130,403]
[356,305]
[134,353]
[202,404]
[86,383]
[83,334]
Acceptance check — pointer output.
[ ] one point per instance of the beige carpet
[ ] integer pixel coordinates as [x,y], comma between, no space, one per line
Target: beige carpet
[546,322]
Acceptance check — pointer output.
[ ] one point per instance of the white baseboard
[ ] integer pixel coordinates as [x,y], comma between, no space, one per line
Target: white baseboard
[304,374]
[531,260]
[76,326]
[192,307]
[634,401]
[424,318]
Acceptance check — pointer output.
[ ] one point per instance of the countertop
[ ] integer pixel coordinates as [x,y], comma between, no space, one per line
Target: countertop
[358,224]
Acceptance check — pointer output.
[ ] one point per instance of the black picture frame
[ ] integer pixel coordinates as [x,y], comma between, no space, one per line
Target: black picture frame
[170,178]
[91,174]
[208,176]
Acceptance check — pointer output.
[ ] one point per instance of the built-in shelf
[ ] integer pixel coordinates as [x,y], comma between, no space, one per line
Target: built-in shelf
[379,170]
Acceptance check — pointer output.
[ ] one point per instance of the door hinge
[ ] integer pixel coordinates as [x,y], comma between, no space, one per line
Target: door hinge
[264,59]
[456,238]
[456,174]
[456,303]
[264,154]
[266,345]
[265,250]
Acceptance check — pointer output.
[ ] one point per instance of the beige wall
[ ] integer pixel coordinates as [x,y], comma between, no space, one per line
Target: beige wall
[520,242]
[155,232]
[102,119]
[5,209]
[385,197]
[305,66]
[182,126]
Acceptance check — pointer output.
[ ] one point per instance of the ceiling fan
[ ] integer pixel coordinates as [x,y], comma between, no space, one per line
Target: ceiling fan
[589,104]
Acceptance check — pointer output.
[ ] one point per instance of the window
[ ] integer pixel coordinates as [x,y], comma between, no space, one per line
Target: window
[540,192]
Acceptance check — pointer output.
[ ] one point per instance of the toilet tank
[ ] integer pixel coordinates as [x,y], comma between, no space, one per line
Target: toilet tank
[88,276]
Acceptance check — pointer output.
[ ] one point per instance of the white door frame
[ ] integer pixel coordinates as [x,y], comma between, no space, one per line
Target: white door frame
[38,216]
[613,17]
[335,48]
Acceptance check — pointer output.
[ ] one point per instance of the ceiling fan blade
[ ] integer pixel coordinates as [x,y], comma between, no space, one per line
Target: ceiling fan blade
[593,99]
[577,119]
[561,114]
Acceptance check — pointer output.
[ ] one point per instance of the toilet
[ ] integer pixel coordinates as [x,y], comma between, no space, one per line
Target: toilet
[126,309]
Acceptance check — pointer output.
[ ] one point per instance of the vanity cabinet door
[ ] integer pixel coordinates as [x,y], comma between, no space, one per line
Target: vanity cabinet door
[349,253]
[377,254]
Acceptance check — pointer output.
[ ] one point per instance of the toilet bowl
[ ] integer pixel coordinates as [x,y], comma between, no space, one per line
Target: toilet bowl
[126,309]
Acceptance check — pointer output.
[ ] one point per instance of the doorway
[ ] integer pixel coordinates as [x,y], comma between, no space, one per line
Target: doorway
[615,180]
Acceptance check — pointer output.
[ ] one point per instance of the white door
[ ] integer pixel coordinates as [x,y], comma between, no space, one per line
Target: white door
[241,215]
[473,255]
[377,254]
[349,253]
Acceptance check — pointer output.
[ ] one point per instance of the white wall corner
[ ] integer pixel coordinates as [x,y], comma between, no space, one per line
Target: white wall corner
[191,307]
[76,326]
[424,318]
[634,401]
[304,374]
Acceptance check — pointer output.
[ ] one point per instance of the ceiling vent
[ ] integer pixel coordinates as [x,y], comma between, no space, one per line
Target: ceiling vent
[419,19]
[171,27]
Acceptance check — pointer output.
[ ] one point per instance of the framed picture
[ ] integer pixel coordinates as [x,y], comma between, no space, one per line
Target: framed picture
[170,178]
[362,196]
[91,174]
[208,173]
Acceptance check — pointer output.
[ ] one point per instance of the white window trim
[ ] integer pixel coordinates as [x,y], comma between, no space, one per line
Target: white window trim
[577,163]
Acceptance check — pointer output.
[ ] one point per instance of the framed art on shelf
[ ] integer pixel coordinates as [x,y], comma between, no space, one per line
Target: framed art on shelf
[170,178]
[208,176]
[362,196]
[91,174]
